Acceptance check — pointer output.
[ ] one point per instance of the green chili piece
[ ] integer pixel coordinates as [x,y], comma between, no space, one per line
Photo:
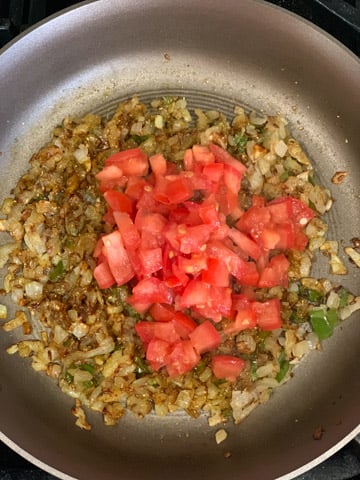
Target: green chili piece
[283,366]
[141,366]
[139,139]
[344,298]
[323,322]
[57,271]
[68,377]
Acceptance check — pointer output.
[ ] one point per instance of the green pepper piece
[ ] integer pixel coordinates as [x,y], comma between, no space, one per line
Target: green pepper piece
[87,367]
[240,141]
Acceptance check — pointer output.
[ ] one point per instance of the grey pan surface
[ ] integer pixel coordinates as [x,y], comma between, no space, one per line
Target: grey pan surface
[248,52]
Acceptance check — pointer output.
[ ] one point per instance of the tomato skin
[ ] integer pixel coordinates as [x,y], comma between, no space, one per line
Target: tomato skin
[196,293]
[205,337]
[268,314]
[146,331]
[111,176]
[214,171]
[182,358]
[232,178]
[171,190]
[227,367]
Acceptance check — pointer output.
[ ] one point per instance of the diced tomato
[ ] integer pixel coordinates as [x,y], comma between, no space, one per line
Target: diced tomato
[205,337]
[245,272]
[154,223]
[232,178]
[275,273]
[193,239]
[194,264]
[223,156]
[178,272]
[157,352]
[268,314]
[161,312]
[196,293]
[173,189]
[208,212]
[216,273]
[151,260]
[111,176]
[188,159]
[203,155]
[135,187]
[103,275]
[183,324]
[117,258]
[132,162]
[244,319]
[146,331]
[166,331]
[229,202]
[246,244]
[152,290]
[269,238]
[158,164]
[129,232]
[214,171]
[118,201]
[286,208]
[98,248]
[227,367]
[286,232]
[301,240]
[182,358]
[220,300]
[254,220]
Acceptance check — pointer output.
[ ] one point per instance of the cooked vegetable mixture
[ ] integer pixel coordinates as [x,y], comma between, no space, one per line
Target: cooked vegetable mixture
[166,256]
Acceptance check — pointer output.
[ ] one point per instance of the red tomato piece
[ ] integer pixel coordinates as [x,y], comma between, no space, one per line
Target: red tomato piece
[111,176]
[135,187]
[152,290]
[227,367]
[188,159]
[268,314]
[276,273]
[117,258]
[172,189]
[244,319]
[182,358]
[301,240]
[205,337]
[161,312]
[223,156]
[194,264]
[206,311]
[214,172]
[157,352]
[258,201]
[183,324]
[286,232]
[151,260]
[269,238]
[220,300]
[203,155]
[216,273]
[132,162]
[193,239]
[118,201]
[146,331]
[103,275]
[232,178]
[158,164]
[228,202]
[209,211]
[246,244]
[196,293]
[166,331]
[129,232]
[179,273]
[285,208]
[254,220]
[245,272]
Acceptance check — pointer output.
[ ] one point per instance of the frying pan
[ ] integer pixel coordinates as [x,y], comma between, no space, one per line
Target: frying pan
[217,53]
